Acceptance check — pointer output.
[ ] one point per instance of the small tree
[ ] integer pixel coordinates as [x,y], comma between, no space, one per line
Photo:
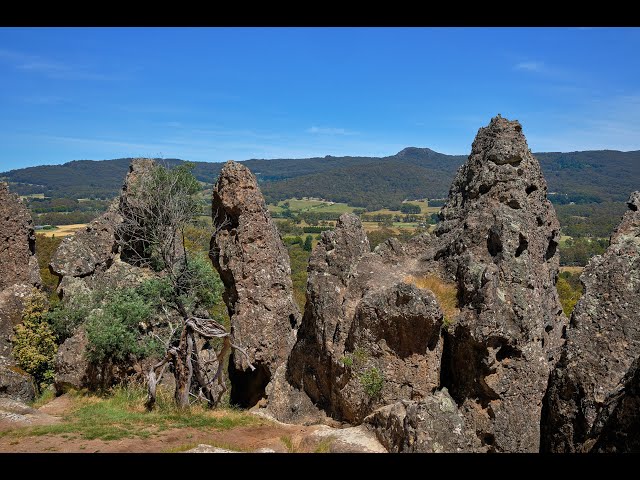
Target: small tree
[308,243]
[157,209]
[34,346]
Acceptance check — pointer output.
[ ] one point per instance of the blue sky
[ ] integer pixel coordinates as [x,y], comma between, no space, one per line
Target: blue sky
[214,94]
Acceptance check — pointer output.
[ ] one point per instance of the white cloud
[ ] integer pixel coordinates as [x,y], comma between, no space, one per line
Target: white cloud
[329,131]
[530,66]
[52,69]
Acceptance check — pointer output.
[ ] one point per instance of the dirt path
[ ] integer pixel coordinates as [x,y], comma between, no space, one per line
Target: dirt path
[239,439]
[275,436]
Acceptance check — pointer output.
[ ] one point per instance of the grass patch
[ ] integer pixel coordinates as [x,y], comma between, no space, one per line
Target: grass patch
[180,448]
[572,269]
[290,445]
[122,415]
[445,292]
[324,446]
[63,230]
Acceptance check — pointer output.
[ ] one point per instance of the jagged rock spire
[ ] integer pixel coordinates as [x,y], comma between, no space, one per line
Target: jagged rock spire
[603,341]
[254,265]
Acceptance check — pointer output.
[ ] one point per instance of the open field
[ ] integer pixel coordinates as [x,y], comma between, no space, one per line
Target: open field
[397,226]
[564,238]
[62,230]
[311,205]
[33,195]
[424,206]
[316,205]
[572,270]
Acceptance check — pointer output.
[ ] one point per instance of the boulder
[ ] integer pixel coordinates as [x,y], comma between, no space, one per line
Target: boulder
[431,425]
[253,263]
[89,250]
[16,384]
[603,340]
[72,370]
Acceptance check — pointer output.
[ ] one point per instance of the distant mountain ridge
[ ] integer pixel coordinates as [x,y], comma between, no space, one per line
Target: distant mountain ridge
[588,176]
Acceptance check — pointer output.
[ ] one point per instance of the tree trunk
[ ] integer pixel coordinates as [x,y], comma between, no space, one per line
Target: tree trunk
[184,369]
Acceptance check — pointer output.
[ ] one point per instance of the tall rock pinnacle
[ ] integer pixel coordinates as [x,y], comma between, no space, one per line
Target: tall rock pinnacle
[499,238]
[254,266]
[19,273]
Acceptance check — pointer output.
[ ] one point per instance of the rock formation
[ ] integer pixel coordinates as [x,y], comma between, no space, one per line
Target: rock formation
[368,338]
[254,266]
[498,238]
[603,341]
[19,273]
[16,384]
[91,257]
[18,263]
[373,334]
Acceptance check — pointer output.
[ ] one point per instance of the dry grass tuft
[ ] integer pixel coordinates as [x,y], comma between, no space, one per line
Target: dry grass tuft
[445,292]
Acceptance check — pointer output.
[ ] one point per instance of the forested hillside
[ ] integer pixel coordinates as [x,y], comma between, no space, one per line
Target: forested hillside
[578,177]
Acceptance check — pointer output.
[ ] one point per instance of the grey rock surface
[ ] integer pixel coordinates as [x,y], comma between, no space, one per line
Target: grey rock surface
[499,238]
[603,340]
[253,263]
[19,275]
[18,264]
[617,427]
[72,370]
[16,384]
[431,425]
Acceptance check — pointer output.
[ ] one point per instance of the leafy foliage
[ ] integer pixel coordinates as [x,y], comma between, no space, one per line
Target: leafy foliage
[569,290]
[65,317]
[308,243]
[34,345]
[590,220]
[299,258]
[113,329]
[160,205]
[372,382]
[45,248]
[578,251]
[371,186]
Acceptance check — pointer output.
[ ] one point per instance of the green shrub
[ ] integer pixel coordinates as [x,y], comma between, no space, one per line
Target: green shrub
[198,285]
[372,382]
[67,316]
[347,360]
[34,345]
[569,290]
[113,332]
